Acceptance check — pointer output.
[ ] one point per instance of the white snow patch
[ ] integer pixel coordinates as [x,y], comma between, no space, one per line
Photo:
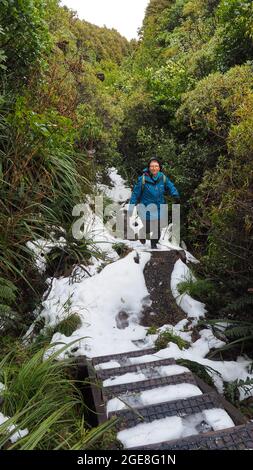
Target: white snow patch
[118,192]
[193,308]
[124,379]
[218,419]
[41,247]
[107,365]
[19,432]
[149,433]
[97,234]
[190,258]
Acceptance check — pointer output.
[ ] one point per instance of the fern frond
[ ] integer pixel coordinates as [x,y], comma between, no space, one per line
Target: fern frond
[7,291]
[238,304]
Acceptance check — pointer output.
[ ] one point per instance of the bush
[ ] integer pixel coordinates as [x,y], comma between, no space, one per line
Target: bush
[26,37]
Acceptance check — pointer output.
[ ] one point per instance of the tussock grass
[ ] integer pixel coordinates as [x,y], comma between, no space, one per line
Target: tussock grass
[41,396]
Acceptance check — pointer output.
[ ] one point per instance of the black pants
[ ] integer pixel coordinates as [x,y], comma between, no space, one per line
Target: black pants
[144,233]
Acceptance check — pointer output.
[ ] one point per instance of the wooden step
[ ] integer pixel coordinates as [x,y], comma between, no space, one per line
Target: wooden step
[104,374]
[188,406]
[149,384]
[122,356]
[236,438]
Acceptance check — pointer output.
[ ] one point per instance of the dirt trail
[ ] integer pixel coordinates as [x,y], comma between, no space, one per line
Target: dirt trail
[157,273]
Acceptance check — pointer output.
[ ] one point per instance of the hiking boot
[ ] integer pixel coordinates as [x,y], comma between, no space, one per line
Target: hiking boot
[153,244]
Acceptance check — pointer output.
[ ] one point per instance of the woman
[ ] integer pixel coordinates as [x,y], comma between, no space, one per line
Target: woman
[148,193]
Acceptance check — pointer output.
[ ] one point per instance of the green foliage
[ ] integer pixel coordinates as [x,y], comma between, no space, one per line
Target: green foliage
[236,46]
[2,54]
[199,370]
[213,105]
[238,304]
[167,84]
[236,334]
[8,291]
[232,390]
[61,261]
[168,336]
[108,441]
[173,16]
[40,181]
[200,289]
[152,330]
[120,248]
[9,318]
[41,396]
[68,325]
[44,169]
[25,37]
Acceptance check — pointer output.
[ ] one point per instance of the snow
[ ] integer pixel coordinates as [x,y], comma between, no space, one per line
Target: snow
[98,300]
[227,371]
[19,432]
[193,308]
[157,431]
[153,396]
[190,258]
[118,192]
[97,234]
[175,427]
[41,247]
[107,365]
[162,371]
[218,419]
[124,379]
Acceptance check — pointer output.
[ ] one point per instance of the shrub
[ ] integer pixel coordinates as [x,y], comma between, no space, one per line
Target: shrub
[168,336]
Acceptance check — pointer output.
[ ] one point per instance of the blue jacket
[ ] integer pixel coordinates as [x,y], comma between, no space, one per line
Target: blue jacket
[152,193]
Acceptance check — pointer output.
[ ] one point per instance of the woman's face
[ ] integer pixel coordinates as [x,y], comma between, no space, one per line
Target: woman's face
[154,168]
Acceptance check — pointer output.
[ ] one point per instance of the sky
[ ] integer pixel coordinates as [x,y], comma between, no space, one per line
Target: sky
[124,15]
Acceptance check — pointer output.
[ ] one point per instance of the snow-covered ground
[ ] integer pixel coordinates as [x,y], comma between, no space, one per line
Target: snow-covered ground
[118,192]
[119,290]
